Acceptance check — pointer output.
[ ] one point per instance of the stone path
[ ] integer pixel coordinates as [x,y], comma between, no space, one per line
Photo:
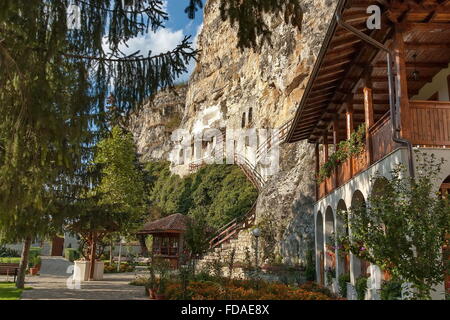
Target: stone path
[55,266]
[52,285]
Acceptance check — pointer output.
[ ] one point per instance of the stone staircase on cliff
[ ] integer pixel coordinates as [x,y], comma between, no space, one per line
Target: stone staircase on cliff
[231,235]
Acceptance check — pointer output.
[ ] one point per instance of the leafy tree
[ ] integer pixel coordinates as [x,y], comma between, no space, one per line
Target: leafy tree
[122,182]
[115,203]
[53,87]
[234,199]
[222,191]
[198,234]
[404,227]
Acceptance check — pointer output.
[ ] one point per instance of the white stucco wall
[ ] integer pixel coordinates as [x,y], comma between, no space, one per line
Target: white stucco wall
[438,84]
[363,183]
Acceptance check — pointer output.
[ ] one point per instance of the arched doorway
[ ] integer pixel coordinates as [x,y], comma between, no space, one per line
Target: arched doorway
[320,263]
[358,267]
[330,254]
[343,259]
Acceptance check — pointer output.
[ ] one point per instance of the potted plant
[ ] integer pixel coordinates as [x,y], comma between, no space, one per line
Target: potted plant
[34,265]
[160,294]
[156,284]
[150,286]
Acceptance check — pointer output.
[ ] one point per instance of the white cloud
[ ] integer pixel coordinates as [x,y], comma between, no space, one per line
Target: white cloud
[195,41]
[157,42]
[163,40]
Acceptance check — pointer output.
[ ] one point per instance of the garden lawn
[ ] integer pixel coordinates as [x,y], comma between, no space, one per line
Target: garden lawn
[8,291]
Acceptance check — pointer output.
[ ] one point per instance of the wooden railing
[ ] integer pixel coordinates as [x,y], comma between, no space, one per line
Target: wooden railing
[267,145]
[250,171]
[429,123]
[381,138]
[231,229]
[196,165]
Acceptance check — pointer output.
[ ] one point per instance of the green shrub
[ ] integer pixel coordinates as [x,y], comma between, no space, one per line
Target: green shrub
[310,270]
[112,268]
[34,252]
[34,261]
[361,287]
[342,280]
[8,253]
[391,290]
[71,254]
[222,190]
[330,275]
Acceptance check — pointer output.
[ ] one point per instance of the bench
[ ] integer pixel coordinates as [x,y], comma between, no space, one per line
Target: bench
[9,269]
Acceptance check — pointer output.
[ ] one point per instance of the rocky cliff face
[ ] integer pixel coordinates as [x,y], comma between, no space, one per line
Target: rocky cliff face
[271,82]
[153,125]
[229,83]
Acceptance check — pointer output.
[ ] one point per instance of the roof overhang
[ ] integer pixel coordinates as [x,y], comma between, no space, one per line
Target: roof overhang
[344,59]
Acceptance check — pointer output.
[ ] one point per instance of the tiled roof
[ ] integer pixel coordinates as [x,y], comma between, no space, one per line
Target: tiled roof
[174,222]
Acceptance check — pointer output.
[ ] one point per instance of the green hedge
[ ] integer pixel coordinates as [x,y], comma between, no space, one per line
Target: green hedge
[71,254]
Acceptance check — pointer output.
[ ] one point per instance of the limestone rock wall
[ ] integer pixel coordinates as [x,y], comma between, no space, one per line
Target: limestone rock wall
[153,125]
[271,81]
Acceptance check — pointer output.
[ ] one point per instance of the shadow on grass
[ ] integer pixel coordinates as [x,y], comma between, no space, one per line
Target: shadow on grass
[8,291]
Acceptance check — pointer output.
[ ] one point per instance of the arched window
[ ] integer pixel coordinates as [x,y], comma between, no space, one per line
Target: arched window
[243,120]
[250,115]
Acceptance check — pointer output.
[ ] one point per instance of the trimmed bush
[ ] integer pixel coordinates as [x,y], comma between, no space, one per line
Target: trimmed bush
[71,254]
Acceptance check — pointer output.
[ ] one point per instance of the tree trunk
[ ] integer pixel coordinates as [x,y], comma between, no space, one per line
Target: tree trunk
[20,283]
[93,254]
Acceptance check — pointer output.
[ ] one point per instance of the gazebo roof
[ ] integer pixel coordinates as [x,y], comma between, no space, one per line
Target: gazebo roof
[174,223]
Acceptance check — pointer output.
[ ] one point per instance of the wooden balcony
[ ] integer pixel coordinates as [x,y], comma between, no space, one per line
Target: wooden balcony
[430,123]
[429,127]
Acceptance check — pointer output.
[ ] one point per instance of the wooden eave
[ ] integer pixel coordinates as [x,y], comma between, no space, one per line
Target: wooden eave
[344,60]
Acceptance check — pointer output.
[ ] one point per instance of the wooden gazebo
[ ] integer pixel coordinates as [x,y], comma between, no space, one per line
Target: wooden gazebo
[168,237]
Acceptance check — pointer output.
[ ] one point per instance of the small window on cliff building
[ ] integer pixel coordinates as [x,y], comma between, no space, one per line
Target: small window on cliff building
[243,120]
[250,115]
[181,154]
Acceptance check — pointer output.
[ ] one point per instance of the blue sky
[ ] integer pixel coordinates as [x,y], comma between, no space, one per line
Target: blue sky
[165,39]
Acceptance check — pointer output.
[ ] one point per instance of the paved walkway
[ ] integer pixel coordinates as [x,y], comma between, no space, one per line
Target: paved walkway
[52,285]
[55,266]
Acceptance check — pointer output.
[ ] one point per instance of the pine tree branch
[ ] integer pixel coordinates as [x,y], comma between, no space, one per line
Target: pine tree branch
[180,49]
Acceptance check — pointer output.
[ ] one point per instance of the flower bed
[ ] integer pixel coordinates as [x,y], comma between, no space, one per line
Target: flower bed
[246,290]
[124,267]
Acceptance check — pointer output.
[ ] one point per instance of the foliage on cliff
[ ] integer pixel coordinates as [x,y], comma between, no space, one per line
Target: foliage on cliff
[222,191]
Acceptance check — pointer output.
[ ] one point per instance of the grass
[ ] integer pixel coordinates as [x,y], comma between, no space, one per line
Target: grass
[10,260]
[8,291]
